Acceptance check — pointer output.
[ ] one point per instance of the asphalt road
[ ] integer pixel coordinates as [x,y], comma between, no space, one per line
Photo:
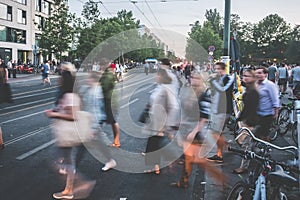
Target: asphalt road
[27,169]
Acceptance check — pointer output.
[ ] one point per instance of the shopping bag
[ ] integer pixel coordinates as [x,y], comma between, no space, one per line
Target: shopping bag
[73,133]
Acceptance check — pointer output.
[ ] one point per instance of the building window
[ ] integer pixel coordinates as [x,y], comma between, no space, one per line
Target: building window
[46,7]
[39,22]
[15,35]
[21,16]
[9,13]
[5,12]
[38,5]
[42,6]
[22,1]
[3,33]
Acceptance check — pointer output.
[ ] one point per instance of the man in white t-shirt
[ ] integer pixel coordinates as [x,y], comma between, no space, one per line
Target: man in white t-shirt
[9,67]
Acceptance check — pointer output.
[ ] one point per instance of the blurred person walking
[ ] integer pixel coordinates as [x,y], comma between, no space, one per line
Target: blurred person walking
[146,68]
[93,102]
[248,116]
[45,73]
[164,113]
[107,82]
[3,93]
[193,141]
[222,106]
[9,68]
[295,76]
[282,78]
[71,152]
[272,72]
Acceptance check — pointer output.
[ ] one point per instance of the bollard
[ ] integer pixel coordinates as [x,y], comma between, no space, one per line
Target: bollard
[1,140]
[297,108]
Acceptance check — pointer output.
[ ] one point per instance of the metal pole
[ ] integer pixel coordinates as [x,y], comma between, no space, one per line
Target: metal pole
[297,108]
[226,35]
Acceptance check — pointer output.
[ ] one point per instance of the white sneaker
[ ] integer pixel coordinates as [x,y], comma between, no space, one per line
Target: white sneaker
[111,164]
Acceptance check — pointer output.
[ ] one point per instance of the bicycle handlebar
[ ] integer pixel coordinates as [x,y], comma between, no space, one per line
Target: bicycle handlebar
[265,142]
[253,155]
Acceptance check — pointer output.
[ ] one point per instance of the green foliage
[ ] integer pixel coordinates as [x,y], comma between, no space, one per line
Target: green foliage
[271,36]
[200,38]
[213,16]
[58,31]
[117,37]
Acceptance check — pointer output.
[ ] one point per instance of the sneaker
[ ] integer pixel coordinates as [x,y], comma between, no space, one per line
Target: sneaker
[215,158]
[111,164]
[60,195]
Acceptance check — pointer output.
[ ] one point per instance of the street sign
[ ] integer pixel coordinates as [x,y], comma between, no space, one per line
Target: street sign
[211,48]
[210,57]
[211,53]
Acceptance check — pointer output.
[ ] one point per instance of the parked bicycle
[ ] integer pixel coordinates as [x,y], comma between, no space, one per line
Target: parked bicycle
[287,119]
[267,178]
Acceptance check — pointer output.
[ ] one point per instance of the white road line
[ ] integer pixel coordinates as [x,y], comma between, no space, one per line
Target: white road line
[8,113]
[24,104]
[137,91]
[22,137]
[35,150]
[16,119]
[18,94]
[134,100]
[133,84]
[22,97]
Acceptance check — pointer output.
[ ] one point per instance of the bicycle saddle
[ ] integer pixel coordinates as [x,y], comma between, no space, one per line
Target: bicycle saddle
[280,177]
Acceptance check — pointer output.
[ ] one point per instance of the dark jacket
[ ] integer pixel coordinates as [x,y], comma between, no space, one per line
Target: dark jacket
[249,112]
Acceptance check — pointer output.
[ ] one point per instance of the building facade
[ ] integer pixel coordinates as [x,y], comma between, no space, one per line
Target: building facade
[20,25]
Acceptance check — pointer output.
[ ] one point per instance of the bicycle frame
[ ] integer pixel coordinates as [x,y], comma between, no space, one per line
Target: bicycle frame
[249,132]
[256,185]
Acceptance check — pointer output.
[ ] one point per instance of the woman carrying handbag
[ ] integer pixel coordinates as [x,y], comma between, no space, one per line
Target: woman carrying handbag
[66,131]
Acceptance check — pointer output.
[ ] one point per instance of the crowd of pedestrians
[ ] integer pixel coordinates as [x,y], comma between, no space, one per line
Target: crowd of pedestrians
[171,107]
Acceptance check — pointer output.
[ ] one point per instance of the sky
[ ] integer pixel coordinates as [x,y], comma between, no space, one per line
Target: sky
[177,15]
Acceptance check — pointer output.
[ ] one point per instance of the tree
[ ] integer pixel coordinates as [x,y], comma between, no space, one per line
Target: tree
[102,29]
[58,31]
[200,38]
[293,51]
[90,12]
[271,36]
[213,16]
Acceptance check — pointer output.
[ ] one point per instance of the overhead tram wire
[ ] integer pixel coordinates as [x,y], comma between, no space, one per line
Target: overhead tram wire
[134,3]
[153,14]
[101,2]
[105,8]
[155,18]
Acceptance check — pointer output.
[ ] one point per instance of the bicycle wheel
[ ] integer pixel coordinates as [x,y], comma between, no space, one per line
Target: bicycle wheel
[239,191]
[235,129]
[295,133]
[283,120]
[273,131]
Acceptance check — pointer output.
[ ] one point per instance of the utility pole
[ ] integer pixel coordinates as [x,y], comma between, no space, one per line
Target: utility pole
[226,35]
